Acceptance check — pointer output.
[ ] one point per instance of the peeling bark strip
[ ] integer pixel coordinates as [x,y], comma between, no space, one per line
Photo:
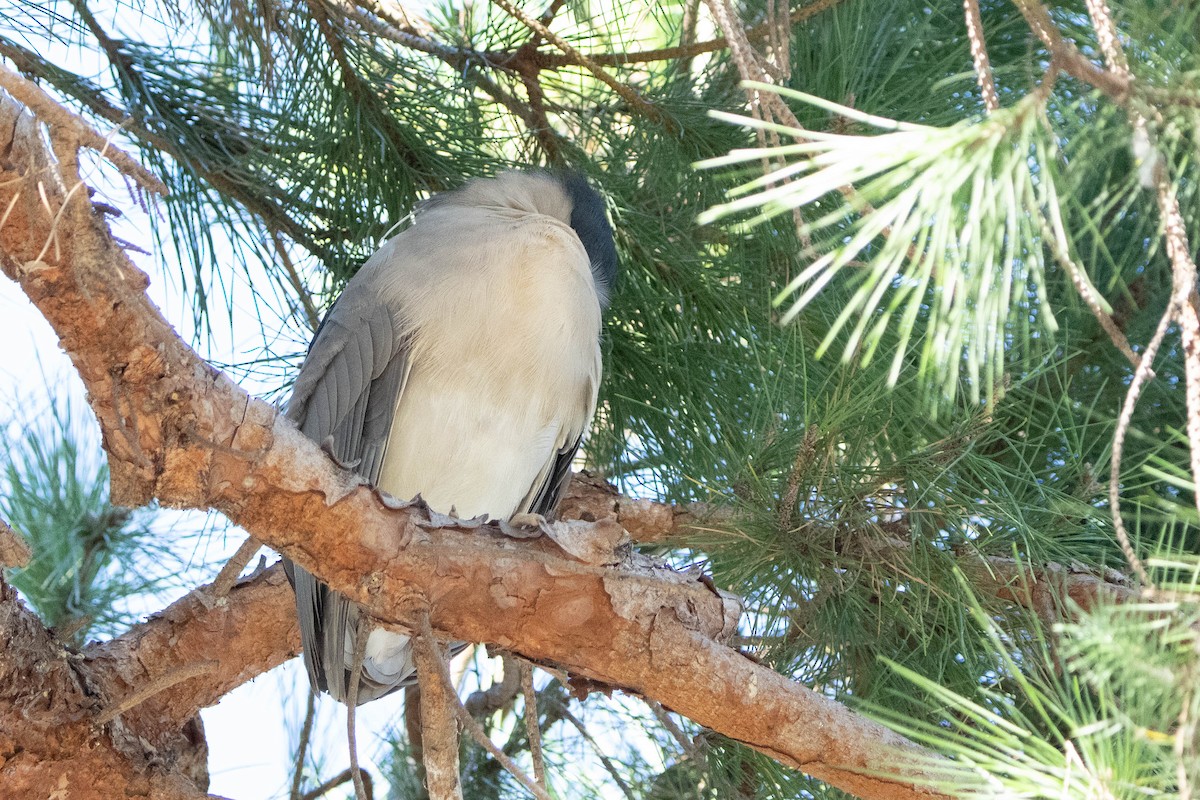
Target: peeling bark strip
[178,430]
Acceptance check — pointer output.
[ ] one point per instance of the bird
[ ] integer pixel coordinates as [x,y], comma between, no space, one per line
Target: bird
[461,363]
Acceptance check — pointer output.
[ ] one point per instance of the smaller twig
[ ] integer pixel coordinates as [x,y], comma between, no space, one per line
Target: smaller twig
[55,115]
[474,728]
[1088,292]
[687,32]
[344,776]
[1184,308]
[689,747]
[1140,376]
[979,54]
[531,724]
[488,701]
[229,573]
[160,684]
[14,550]
[546,18]
[748,64]
[627,93]
[1073,62]
[1107,38]
[804,454]
[52,237]
[539,121]
[310,715]
[361,632]
[591,740]
[439,735]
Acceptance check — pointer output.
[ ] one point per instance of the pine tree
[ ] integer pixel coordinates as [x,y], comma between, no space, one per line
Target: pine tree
[905,353]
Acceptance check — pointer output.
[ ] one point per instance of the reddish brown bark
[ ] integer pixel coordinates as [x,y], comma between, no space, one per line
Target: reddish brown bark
[177,430]
[49,699]
[52,699]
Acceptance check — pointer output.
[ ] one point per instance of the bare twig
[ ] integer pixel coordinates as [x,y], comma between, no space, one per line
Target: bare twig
[600,754]
[310,716]
[439,735]
[748,64]
[1088,292]
[1143,373]
[979,54]
[694,753]
[488,701]
[362,631]
[687,31]
[472,725]
[177,675]
[626,92]
[345,776]
[53,114]
[1185,307]
[531,724]
[229,573]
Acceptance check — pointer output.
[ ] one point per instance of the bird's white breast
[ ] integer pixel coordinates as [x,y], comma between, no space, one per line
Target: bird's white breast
[504,357]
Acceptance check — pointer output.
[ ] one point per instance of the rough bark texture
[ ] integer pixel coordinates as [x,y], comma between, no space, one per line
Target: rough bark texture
[177,430]
[49,747]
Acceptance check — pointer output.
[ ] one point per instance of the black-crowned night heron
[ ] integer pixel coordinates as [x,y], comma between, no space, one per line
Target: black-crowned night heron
[460,363]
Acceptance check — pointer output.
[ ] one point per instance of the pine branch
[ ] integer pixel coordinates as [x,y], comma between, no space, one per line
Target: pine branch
[34,98]
[273,215]
[198,441]
[590,497]
[410,37]
[979,54]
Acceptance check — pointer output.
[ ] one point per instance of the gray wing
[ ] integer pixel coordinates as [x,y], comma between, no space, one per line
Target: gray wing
[346,394]
[547,497]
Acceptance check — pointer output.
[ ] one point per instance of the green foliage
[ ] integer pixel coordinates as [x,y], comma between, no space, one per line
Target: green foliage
[1104,707]
[953,240]
[89,557]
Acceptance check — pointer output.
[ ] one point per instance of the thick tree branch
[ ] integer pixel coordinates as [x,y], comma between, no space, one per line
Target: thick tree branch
[177,430]
[48,742]
[247,632]
[14,550]
[590,497]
